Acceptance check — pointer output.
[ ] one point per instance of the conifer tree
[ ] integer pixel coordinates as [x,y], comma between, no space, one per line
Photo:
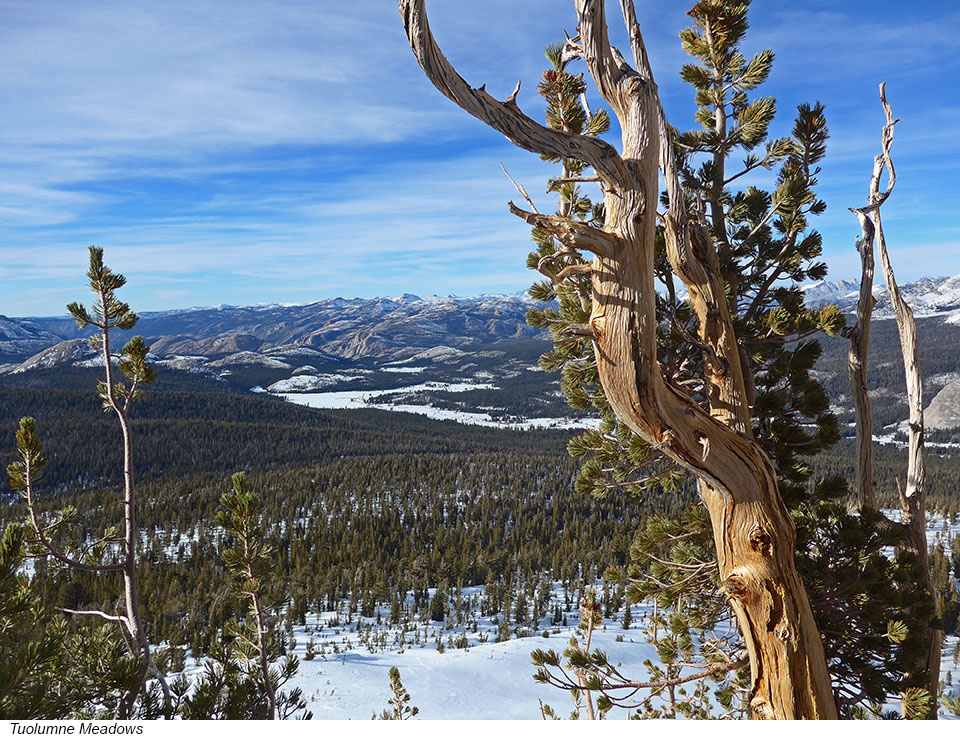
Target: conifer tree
[256,642]
[712,380]
[674,560]
[116,550]
[400,707]
[31,641]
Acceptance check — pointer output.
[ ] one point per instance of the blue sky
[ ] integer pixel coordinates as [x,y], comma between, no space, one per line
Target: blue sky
[248,151]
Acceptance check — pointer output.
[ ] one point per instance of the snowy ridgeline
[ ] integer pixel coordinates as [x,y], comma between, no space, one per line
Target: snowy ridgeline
[461,671]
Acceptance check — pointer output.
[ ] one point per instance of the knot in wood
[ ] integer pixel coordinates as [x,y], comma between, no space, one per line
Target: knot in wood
[760,708]
[783,632]
[761,542]
[734,586]
[668,438]
[704,441]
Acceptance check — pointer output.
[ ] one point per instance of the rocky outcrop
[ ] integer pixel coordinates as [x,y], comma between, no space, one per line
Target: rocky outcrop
[944,410]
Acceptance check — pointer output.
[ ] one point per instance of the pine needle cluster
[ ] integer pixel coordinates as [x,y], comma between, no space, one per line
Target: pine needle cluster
[766,249]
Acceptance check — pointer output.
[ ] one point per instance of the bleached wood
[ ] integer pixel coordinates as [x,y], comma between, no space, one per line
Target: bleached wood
[520,189]
[572,233]
[913,495]
[505,117]
[754,534]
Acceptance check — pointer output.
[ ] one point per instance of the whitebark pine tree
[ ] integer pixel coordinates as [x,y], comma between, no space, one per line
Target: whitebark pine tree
[753,532]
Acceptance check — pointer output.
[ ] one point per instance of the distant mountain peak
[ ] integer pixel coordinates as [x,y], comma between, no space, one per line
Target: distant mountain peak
[346,328]
[928,296]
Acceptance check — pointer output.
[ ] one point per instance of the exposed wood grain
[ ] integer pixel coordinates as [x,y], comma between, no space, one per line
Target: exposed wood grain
[754,534]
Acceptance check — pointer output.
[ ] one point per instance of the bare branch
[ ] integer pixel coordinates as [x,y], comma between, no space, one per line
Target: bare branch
[886,137]
[520,189]
[913,496]
[580,330]
[606,65]
[584,269]
[573,234]
[859,336]
[95,613]
[640,58]
[565,180]
[506,117]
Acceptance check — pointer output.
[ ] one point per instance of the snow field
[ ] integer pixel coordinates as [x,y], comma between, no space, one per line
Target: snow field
[482,679]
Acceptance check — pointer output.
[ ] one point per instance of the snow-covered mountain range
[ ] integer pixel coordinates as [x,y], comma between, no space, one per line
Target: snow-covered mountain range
[927,297]
[391,328]
[472,360]
[415,353]
[348,328]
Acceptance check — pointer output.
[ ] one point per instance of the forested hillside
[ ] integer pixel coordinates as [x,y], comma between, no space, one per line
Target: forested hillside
[391,504]
[680,441]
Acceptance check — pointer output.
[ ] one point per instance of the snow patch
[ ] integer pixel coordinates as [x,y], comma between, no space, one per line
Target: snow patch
[302,383]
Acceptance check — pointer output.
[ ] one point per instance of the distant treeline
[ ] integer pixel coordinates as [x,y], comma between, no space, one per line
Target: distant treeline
[182,433]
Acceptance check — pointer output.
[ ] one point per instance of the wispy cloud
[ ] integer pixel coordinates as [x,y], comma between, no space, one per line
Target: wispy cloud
[247,151]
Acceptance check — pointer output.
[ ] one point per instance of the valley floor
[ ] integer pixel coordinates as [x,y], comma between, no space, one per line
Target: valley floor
[486,680]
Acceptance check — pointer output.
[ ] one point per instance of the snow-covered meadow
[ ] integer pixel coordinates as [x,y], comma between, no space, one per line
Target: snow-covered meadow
[472,677]
[373,399]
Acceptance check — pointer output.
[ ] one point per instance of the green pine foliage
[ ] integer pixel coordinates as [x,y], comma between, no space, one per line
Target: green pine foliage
[766,248]
[109,313]
[399,704]
[945,586]
[256,642]
[48,669]
[31,640]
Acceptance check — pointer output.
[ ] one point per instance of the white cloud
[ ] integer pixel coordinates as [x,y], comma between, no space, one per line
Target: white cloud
[296,148]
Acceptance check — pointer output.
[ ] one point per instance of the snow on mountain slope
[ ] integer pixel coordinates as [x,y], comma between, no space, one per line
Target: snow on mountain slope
[927,296]
[397,329]
[351,328]
[310,382]
[944,410]
[72,352]
[839,292]
[23,336]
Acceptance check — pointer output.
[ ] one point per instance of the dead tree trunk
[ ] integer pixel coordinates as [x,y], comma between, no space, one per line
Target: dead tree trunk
[754,534]
[912,496]
[859,337]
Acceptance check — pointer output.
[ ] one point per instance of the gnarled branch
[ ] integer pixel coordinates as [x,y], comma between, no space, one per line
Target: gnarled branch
[640,57]
[606,65]
[572,233]
[505,117]
[789,671]
[913,495]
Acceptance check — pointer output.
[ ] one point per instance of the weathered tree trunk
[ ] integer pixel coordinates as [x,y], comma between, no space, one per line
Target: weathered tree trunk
[754,534]
[913,495]
[859,337]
